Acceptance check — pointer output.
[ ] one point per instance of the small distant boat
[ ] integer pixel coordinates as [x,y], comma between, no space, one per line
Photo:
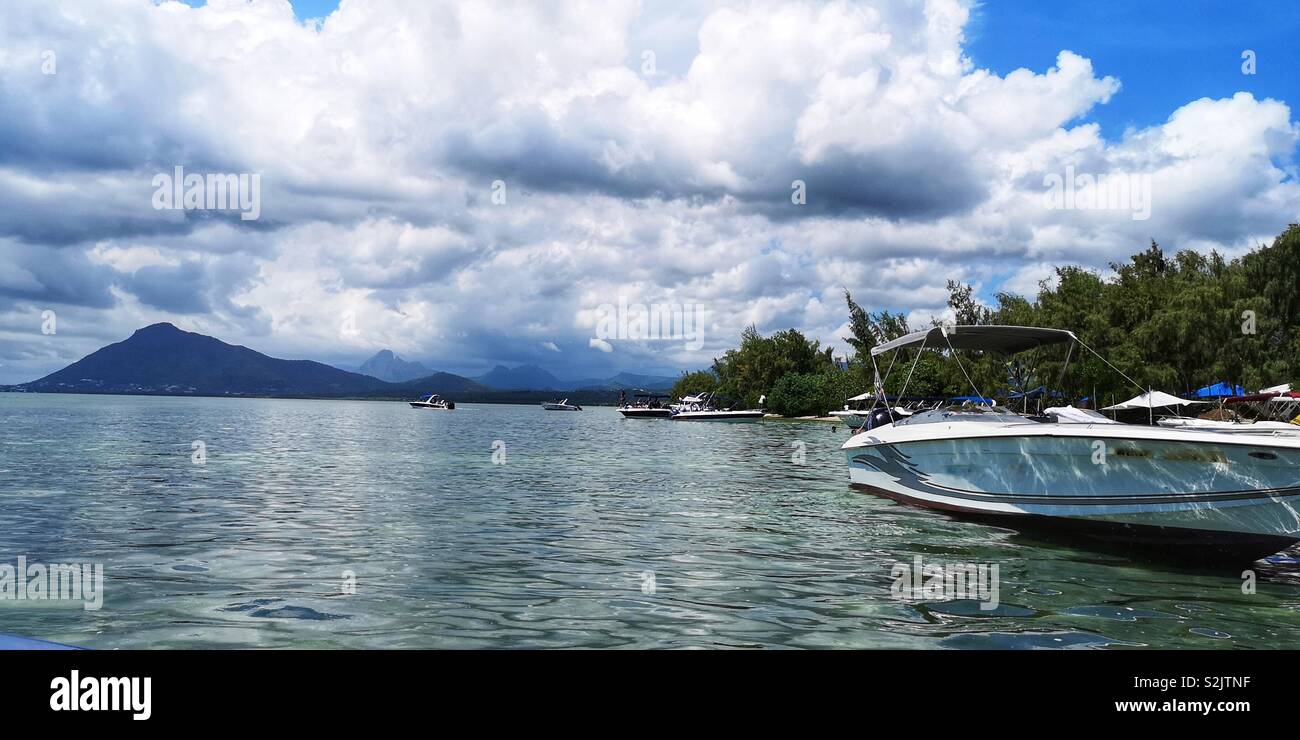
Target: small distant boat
[702,408]
[433,401]
[563,405]
[646,406]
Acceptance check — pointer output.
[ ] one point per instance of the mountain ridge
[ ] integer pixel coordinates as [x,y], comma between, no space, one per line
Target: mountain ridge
[162,359]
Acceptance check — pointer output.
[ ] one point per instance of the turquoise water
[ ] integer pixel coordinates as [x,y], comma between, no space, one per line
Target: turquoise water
[745,545]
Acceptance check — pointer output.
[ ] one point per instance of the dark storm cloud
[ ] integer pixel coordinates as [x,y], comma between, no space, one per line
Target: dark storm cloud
[47,276]
[179,289]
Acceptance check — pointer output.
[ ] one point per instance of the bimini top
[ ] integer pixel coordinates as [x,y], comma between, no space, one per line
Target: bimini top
[1004,339]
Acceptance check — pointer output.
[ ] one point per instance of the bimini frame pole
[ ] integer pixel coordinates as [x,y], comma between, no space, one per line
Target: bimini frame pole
[911,370]
[1060,379]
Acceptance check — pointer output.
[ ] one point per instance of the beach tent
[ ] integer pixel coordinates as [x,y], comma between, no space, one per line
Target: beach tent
[1152,400]
[1219,390]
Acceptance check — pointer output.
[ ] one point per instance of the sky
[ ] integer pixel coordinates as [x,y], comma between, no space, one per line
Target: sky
[472,184]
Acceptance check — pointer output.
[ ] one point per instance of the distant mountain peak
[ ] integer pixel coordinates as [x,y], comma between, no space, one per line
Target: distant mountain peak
[521,378]
[387,365]
[162,327]
[529,377]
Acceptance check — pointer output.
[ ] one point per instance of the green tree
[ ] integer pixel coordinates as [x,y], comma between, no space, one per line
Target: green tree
[800,394]
[690,384]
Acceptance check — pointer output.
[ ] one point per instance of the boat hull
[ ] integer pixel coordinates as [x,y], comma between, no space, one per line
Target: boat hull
[853,419]
[646,413]
[1177,544]
[718,416]
[1179,488]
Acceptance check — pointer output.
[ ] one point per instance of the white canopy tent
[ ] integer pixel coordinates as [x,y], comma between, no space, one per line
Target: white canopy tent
[1152,400]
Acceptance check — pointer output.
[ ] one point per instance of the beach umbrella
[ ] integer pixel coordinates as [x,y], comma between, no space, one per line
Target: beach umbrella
[1151,400]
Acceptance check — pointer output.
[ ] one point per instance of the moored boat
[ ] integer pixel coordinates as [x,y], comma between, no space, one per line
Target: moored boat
[646,406]
[563,405]
[703,408]
[433,401]
[718,415]
[1214,494]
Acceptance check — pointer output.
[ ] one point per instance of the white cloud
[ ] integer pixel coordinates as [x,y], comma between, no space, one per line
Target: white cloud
[378,135]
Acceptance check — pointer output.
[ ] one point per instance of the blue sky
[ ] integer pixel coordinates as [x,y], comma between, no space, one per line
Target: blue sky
[472,183]
[1165,52]
[303,9]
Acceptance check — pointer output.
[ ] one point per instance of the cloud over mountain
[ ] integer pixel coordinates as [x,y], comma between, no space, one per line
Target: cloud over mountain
[667,178]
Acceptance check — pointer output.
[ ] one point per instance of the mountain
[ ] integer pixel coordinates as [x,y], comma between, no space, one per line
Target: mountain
[534,378]
[522,378]
[444,384]
[163,359]
[626,381]
[386,365]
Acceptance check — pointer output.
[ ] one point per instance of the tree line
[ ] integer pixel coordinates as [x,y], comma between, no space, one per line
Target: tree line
[1170,322]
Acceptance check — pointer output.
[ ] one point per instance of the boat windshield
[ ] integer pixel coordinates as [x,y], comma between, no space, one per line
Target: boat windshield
[951,414]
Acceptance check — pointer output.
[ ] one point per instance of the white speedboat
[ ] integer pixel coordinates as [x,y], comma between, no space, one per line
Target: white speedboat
[433,401]
[702,408]
[1217,494]
[563,405]
[856,410]
[860,408]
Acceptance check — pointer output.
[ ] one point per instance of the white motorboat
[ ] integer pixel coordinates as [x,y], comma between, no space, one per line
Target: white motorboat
[563,405]
[859,408]
[433,401]
[703,408]
[856,409]
[1217,494]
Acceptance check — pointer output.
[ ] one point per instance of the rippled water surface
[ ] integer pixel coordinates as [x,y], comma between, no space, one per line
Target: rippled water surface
[597,531]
